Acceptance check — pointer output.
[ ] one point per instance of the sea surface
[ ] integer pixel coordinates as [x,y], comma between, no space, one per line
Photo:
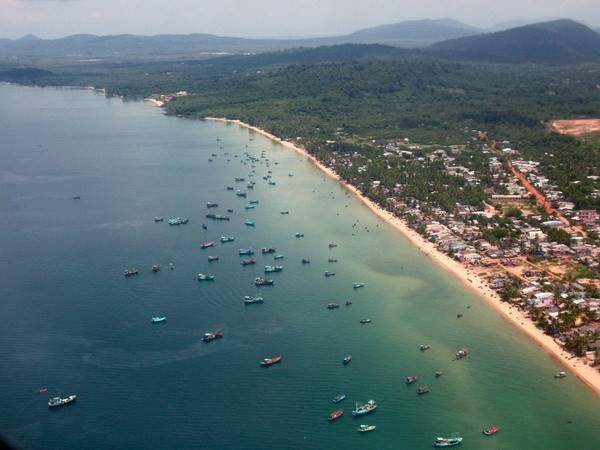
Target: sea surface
[73,324]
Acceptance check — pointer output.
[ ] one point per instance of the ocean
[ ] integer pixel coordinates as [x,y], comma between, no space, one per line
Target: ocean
[73,324]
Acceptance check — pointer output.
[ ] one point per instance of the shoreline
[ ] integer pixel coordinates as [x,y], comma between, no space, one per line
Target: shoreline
[588,374]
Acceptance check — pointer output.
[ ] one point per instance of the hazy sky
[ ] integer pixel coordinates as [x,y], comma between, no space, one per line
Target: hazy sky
[266,18]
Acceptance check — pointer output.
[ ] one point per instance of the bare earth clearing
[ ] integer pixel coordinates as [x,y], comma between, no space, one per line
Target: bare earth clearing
[577,127]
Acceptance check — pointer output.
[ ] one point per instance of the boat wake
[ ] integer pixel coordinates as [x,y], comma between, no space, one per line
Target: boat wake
[115,358]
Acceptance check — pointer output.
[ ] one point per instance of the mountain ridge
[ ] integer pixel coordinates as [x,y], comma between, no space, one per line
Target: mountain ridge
[561,41]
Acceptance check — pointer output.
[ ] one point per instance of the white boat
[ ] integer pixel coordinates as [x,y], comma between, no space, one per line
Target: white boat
[158,319]
[365,428]
[249,299]
[57,401]
[447,442]
[560,375]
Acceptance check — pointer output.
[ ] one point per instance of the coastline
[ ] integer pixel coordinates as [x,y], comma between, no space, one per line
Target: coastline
[468,276]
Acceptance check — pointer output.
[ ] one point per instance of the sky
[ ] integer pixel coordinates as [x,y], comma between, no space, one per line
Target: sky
[51,19]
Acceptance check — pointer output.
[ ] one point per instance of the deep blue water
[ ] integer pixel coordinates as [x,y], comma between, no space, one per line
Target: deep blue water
[74,324]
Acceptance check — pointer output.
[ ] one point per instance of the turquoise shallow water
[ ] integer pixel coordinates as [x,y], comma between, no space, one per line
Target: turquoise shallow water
[74,324]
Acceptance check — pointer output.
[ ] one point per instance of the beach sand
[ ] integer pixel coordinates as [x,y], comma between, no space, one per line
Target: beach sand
[589,375]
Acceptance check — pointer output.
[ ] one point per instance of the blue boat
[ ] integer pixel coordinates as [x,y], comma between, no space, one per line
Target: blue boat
[246,251]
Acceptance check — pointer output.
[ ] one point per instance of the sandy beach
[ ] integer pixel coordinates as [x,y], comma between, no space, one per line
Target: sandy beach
[575,366]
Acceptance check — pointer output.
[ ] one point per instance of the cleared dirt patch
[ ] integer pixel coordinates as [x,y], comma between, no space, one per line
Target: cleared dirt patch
[577,127]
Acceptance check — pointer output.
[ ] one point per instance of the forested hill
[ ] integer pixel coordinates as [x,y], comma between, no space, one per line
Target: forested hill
[557,42]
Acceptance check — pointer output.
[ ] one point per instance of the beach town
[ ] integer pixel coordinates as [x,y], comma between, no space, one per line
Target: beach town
[538,281]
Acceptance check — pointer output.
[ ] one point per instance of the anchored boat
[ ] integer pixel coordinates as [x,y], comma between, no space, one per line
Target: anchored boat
[57,401]
[447,442]
[212,336]
[269,361]
[361,409]
[336,415]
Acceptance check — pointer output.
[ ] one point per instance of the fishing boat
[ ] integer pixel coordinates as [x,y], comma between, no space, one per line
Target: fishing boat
[178,221]
[220,217]
[299,235]
[204,226]
[229,188]
[248,299]
[158,319]
[460,354]
[333,305]
[278,257]
[447,442]
[348,302]
[284,212]
[254,202]
[239,179]
[365,320]
[249,207]
[211,205]
[439,373]
[247,262]
[491,430]
[246,251]
[560,375]
[207,244]
[329,274]
[269,269]
[268,250]
[347,359]
[422,390]
[411,379]
[249,222]
[240,194]
[159,219]
[272,183]
[425,346]
[155,267]
[130,272]
[203,277]
[212,258]
[212,336]
[57,401]
[262,282]
[269,361]
[365,408]
[227,239]
[365,428]
[336,415]
[305,261]
[332,245]
[332,260]
[358,285]
[339,398]
[230,210]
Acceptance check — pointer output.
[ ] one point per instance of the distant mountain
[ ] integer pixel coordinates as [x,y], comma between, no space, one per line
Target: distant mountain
[413,32]
[130,47]
[501,26]
[83,47]
[557,42]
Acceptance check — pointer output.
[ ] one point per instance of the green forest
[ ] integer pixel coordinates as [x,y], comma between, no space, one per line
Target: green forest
[359,104]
